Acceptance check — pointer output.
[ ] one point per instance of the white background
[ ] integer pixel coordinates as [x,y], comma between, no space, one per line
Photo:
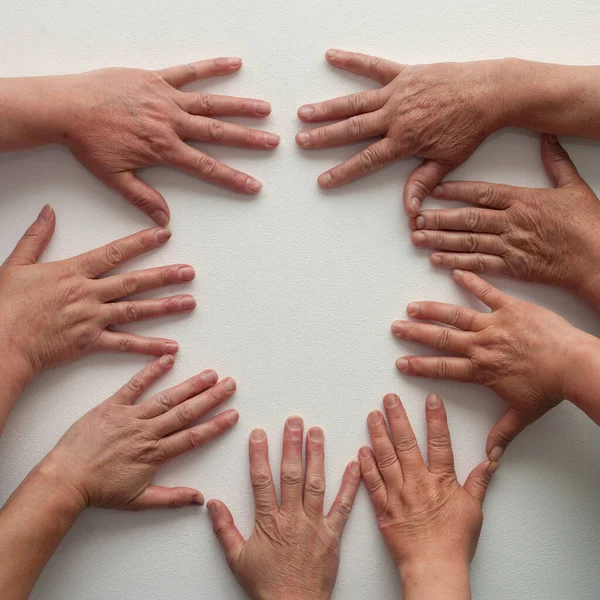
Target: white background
[296,289]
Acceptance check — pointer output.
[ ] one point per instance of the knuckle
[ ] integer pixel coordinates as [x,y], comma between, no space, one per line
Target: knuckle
[442,338]
[132,312]
[205,165]
[374,63]
[387,460]
[206,103]
[33,231]
[315,485]
[125,344]
[135,385]
[86,338]
[253,138]
[485,194]
[344,507]
[439,442]
[443,369]
[261,480]
[164,400]
[131,284]
[114,255]
[176,500]
[368,160]
[356,102]
[184,413]
[455,315]
[291,478]
[471,241]
[194,438]
[216,129]
[190,69]
[408,444]
[472,219]
[238,180]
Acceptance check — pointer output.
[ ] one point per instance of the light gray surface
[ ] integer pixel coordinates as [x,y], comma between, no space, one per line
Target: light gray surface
[296,290]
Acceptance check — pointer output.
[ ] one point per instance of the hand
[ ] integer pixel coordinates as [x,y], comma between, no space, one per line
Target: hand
[519,232]
[109,456]
[294,552]
[153,119]
[57,312]
[430,523]
[519,350]
[441,112]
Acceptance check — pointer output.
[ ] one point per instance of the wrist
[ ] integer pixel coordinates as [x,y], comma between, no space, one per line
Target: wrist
[435,577]
[581,361]
[56,474]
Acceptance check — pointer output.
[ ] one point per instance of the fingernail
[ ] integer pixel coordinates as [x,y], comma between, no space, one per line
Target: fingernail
[419,238]
[354,468]
[167,360]
[413,309]
[262,108]
[235,62]
[253,185]
[210,377]
[306,112]
[171,347]
[315,434]
[233,416]
[331,53]
[187,303]
[303,139]
[458,273]
[212,508]
[420,222]
[272,139]
[258,435]
[198,499]
[325,179]
[229,385]
[159,216]
[492,468]
[495,453]
[402,365]
[437,190]
[436,259]
[552,139]
[46,213]
[162,235]
[295,423]
[364,452]
[416,204]
[433,401]
[186,273]
[397,328]
[390,400]
[374,417]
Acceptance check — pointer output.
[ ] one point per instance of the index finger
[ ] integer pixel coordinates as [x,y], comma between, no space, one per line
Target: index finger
[99,261]
[439,445]
[181,74]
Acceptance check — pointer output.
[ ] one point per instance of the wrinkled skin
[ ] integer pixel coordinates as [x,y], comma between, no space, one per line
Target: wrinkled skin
[423,513]
[110,455]
[120,120]
[441,112]
[294,551]
[518,350]
[520,232]
[57,312]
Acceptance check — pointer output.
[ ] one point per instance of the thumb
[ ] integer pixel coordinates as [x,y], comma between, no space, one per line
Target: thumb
[141,195]
[156,496]
[558,165]
[227,533]
[33,243]
[478,480]
[421,182]
[511,423]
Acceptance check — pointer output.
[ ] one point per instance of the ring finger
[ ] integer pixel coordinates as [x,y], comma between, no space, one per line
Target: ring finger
[216,106]
[434,336]
[477,220]
[119,313]
[459,242]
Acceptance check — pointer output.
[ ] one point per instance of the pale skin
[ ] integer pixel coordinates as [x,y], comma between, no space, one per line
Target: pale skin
[58,312]
[443,112]
[107,459]
[528,355]
[520,232]
[294,550]
[118,120]
[429,522]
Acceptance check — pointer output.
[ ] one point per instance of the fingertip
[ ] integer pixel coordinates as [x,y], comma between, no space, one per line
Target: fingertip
[235,62]
[354,468]
[316,434]
[492,467]
[253,186]
[295,423]
[433,401]
[258,435]
[167,361]
[171,347]
[364,454]
[495,453]
[160,217]
[305,112]
[332,54]
[325,180]
[197,499]
[47,213]
[402,365]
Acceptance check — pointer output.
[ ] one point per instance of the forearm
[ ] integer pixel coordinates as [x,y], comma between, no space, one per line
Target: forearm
[559,99]
[435,580]
[582,376]
[32,524]
[32,111]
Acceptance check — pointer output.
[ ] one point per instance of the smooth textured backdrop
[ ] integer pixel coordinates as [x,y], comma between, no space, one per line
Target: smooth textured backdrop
[297,289]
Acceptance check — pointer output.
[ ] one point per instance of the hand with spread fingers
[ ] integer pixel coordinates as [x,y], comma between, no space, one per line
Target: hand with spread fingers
[527,354]
[430,523]
[440,112]
[118,120]
[107,459]
[294,551]
[520,232]
[57,312]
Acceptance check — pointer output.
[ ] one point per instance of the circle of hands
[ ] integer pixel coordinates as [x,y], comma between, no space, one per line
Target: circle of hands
[61,311]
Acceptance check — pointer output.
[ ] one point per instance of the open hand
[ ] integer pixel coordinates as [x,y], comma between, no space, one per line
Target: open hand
[294,551]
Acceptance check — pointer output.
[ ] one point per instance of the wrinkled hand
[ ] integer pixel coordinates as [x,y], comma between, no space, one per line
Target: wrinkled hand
[109,456]
[518,350]
[441,112]
[57,312]
[423,513]
[519,232]
[121,120]
[294,551]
